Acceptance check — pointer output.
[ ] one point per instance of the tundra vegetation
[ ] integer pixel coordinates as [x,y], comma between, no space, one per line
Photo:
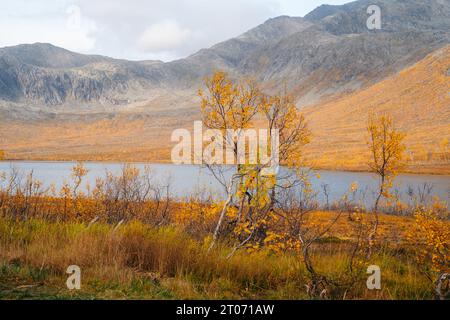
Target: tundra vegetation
[268,238]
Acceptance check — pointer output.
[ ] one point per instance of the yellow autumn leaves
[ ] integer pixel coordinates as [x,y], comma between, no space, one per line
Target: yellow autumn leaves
[430,239]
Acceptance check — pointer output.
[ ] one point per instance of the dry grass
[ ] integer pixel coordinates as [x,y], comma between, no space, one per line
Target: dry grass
[139,261]
[133,241]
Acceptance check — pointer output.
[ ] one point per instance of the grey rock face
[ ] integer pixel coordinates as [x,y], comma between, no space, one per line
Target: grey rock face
[48,75]
[396,16]
[339,52]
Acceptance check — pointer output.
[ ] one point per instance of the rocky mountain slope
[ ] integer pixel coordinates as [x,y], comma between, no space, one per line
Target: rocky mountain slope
[42,74]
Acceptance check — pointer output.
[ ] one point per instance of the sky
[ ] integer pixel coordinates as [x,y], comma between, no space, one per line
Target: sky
[139,29]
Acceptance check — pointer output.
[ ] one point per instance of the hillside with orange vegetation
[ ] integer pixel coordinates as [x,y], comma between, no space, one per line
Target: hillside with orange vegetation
[418,98]
[118,139]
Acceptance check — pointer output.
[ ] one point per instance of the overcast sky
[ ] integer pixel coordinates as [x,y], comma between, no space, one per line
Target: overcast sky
[139,29]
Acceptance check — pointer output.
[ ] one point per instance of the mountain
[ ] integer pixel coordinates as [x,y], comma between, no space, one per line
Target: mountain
[417,98]
[397,16]
[338,53]
[42,74]
[229,55]
[60,105]
[330,51]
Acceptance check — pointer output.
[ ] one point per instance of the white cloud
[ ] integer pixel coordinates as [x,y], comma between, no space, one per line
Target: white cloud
[163,36]
[123,28]
[55,28]
[138,29]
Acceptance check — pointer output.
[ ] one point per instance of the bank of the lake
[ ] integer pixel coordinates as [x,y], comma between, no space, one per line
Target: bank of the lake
[185,180]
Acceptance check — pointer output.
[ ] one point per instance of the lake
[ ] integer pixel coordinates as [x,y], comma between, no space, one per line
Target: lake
[188,179]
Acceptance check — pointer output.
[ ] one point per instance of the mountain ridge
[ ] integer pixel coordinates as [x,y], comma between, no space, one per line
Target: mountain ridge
[326,53]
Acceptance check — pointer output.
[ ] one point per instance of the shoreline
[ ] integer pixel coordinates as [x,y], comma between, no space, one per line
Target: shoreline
[167,162]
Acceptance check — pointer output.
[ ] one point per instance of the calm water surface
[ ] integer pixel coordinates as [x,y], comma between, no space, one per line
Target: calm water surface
[186,180]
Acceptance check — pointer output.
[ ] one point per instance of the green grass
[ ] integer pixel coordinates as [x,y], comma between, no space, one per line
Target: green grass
[140,262]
